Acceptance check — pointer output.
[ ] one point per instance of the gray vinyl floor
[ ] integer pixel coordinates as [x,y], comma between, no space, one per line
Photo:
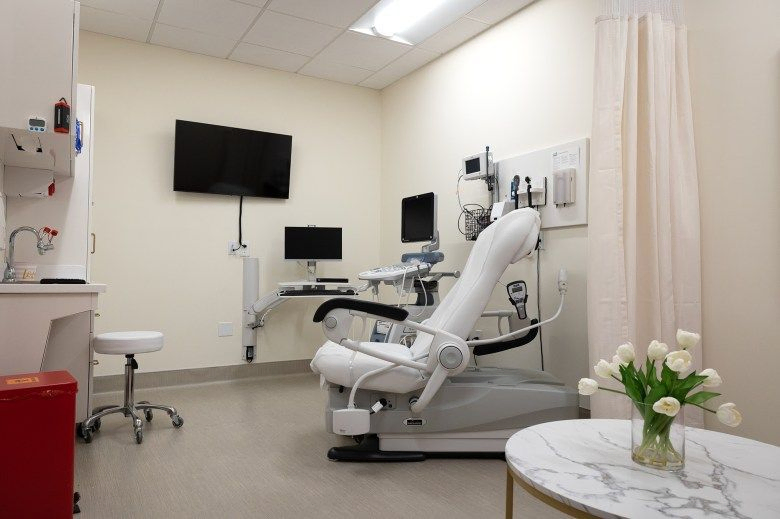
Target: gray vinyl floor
[256,448]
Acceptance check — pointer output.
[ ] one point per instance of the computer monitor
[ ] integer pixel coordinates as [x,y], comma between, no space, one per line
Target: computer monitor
[312,243]
[418,218]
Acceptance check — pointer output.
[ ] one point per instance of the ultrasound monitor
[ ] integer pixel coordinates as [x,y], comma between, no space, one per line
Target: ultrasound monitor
[418,218]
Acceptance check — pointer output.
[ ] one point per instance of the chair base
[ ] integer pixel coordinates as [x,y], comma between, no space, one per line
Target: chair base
[128,409]
[368,450]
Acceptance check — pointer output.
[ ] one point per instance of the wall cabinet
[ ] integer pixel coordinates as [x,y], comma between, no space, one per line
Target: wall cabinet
[38,66]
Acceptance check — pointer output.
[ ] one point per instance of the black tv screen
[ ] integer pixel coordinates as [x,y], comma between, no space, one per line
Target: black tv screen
[231,161]
[312,243]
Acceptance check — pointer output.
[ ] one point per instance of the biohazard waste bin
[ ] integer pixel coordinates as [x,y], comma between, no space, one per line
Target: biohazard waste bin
[37,437]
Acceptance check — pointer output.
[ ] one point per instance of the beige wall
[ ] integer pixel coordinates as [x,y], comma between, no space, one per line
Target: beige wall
[534,91]
[734,50]
[164,254]
[525,84]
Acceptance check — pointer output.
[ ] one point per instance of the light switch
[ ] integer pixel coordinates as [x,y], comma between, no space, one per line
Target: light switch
[224,329]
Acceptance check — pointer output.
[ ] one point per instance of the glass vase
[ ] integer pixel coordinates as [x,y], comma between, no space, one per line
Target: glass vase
[657,440]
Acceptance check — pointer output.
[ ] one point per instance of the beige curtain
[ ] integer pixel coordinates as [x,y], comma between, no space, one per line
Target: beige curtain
[644,276]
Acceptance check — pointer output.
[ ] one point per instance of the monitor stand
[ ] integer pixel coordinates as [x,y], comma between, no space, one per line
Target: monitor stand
[434,245]
[311,270]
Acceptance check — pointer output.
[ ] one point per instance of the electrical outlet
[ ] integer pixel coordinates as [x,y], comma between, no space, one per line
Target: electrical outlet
[234,249]
[224,329]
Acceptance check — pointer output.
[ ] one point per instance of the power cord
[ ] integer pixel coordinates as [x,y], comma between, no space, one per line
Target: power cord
[539,303]
[240,219]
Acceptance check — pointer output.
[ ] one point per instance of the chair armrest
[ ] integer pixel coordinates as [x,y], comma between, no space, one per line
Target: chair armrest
[388,312]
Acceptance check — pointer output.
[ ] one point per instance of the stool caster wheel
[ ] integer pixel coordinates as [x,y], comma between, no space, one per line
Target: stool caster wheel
[96,425]
[139,436]
[86,433]
[177,421]
[148,415]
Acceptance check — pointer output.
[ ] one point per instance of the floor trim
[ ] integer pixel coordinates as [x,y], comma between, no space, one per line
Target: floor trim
[181,377]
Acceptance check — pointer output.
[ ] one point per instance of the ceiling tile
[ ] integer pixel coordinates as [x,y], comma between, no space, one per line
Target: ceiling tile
[321,68]
[493,11]
[452,36]
[341,13]
[145,9]
[399,68]
[218,17]
[114,24]
[283,32]
[265,57]
[192,41]
[362,51]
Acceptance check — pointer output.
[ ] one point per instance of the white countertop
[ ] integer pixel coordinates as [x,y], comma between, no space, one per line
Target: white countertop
[587,465]
[54,288]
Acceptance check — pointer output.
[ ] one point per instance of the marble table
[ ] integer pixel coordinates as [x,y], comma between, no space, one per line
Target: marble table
[583,467]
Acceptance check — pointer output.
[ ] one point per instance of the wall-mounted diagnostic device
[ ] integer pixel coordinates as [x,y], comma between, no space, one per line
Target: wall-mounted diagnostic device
[36,124]
[479,166]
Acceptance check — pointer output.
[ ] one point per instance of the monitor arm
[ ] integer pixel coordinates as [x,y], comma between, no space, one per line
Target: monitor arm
[434,245]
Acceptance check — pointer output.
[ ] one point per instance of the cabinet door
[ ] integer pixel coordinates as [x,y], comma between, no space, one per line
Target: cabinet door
[37,40]
[68,348]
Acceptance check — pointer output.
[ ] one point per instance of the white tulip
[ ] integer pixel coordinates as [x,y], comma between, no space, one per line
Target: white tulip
[626,352]
[728,415]
[657,350]
[679,361]
[687,340]
[713,379]
[587,386]
[667,405]
[603,369]
[616,363]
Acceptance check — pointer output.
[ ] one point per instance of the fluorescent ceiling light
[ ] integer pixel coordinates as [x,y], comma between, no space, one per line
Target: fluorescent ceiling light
[412,21]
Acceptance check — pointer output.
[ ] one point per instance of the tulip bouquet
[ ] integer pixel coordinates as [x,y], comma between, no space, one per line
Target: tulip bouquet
[658,395]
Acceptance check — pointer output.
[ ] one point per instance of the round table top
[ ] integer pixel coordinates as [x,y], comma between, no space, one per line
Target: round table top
[586,464]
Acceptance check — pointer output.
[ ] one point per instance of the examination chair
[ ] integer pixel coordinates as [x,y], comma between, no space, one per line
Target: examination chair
[408,401]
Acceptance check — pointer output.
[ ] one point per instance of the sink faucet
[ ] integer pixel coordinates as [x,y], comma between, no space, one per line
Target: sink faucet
[9,276]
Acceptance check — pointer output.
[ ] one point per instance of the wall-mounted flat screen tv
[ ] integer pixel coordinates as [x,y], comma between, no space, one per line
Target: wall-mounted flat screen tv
[231,161]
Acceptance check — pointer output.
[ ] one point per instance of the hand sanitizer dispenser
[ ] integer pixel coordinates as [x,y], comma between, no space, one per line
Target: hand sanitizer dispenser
[563,186]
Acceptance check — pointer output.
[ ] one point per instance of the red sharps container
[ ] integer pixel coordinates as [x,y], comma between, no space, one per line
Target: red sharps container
[37,437]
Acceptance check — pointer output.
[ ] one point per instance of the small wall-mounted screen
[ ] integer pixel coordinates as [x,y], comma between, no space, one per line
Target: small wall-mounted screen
[231,161]
[472,165]
[312,243]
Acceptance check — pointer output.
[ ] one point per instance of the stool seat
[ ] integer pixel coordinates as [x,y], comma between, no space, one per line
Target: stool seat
[127,343]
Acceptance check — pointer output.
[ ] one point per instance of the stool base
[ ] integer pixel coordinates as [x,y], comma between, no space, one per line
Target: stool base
[129,409]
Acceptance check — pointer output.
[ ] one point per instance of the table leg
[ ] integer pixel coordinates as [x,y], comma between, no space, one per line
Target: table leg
[510,491]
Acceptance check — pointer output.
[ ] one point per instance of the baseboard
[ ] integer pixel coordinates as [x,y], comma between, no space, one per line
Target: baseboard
[181,377]
[584,413]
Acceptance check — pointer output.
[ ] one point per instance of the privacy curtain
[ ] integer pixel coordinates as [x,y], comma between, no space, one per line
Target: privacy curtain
[644,275]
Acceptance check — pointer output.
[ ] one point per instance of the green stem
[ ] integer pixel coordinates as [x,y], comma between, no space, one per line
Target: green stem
[701,407]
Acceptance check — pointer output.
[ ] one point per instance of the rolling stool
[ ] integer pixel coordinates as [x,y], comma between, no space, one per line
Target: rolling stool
[127,344]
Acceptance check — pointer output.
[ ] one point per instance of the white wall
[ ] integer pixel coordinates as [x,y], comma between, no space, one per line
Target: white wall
[523,85]
[164,254]
[734,51]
